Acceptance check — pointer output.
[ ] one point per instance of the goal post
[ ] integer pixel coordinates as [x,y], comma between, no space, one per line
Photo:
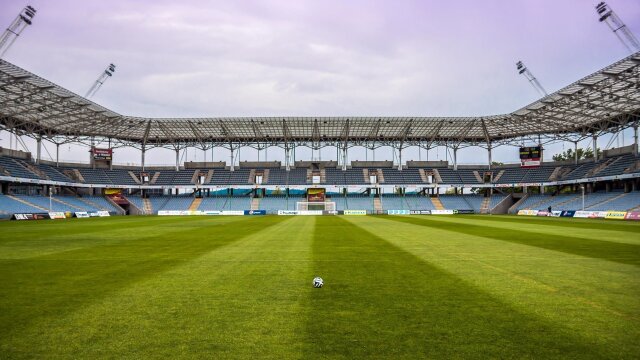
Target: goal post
[315,205]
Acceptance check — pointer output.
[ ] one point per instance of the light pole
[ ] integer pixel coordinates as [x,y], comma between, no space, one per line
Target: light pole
[582,188]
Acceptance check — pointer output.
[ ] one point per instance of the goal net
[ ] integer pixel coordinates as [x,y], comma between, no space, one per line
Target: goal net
[316,205]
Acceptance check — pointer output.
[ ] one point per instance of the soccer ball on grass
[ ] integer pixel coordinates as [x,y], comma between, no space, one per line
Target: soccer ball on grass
[317,282]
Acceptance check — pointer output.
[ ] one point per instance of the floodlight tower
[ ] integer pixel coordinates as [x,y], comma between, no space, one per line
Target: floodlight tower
[14,30]
[108,72]
[522,70]
[616,25]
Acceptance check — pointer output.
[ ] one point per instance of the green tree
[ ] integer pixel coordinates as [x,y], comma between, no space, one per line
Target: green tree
[569,154]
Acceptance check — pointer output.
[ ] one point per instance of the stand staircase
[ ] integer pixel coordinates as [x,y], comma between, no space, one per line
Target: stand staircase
[500,173]
[147,207]
[255,203]
[423,176]
[380,176]
[485,206]
[134,177]
[478,177]
[437,203]
[195,204]
[377,204]
[436,175]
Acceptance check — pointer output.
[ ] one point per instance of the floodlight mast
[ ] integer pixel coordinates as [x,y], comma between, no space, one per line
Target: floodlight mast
[108,72]
[24,19]
[523,70]
[622,32]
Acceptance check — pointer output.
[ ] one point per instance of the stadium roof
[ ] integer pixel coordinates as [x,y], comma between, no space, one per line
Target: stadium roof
[605,101]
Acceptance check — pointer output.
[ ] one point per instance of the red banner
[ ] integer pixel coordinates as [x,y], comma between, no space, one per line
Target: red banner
[632,215]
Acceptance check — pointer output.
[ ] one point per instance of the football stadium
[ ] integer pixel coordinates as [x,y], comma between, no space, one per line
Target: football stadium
[509,235]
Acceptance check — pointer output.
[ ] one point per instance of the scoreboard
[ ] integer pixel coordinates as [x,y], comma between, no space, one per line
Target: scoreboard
[530,156]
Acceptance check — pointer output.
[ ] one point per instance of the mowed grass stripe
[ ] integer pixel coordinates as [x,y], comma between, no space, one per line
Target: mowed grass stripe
[591,298]
[241,300]
[40,289]
[631,234]
[24,239]
[612,251]
[578,223]
[399,306]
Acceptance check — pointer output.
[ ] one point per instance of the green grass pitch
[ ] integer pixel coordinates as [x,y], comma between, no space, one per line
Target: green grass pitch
[395,287]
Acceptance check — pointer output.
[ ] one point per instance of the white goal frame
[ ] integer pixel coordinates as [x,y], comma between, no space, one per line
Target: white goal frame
[304,205]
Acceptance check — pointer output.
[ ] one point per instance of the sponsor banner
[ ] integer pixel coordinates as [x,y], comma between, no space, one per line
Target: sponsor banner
[542,213]
[103,213]
[168,213]
[399,212]
[528,212]
[556,213]
[211,212]
[590,214]
[355,212]
[299,212]
[420,212]
[632,215]
[441,212]
[465,211]
[82,214]
[57,215]
[616,215]
[530,163]
[567,213]
[255,212]
[31,216]
[329,212]
[232,212]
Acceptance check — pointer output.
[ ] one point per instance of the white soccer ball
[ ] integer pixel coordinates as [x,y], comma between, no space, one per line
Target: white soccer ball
[317,282]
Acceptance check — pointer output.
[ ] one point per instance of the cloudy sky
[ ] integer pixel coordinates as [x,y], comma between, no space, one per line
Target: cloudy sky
[314,58]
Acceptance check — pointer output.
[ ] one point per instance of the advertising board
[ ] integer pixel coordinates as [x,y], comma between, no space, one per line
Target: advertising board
[31,216]
[398,212]
[632,215]
[355,212]
[420,212]
[57,215]
[528,212]
[82,214]
[255,212]
[616,215]
[442,212]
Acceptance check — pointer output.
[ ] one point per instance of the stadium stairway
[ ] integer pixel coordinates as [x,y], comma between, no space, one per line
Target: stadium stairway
[512,208]
[26,202]
[485,207]
[377,203]
[195,204]
[255,203]
[497,177]
[437,203]
[436,176]
[148,208]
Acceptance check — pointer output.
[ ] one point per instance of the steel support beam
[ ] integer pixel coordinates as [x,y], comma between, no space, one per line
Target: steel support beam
[595,148]
[178,159]
[635,139]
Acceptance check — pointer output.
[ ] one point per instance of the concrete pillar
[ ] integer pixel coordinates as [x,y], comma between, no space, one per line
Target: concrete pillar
[57,155]
[232,166]
[575,148]
[38,149]
[489,153]
[344,158]
[595,148]
[400,159]
[455,158]
[143,156]
[287,155]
